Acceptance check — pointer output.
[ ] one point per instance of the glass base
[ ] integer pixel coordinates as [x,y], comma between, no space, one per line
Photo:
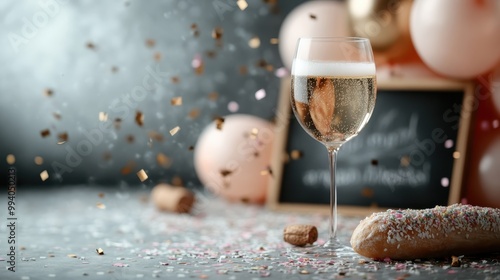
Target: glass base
[330,250]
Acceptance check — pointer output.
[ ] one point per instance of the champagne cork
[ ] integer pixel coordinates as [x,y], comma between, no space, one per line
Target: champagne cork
[172,198]
[300,235]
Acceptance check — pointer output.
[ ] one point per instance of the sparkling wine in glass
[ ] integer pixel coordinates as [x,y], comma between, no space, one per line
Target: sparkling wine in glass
[333,95]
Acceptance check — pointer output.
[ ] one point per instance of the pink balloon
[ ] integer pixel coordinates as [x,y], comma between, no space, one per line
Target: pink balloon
[495,87]
[234,161]
[489,175]
[457,38]
[312,19]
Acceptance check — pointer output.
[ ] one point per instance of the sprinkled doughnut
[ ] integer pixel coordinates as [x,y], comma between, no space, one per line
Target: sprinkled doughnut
[436,232]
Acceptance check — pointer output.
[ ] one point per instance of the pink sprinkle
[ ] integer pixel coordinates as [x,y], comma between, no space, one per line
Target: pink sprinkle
[261,93]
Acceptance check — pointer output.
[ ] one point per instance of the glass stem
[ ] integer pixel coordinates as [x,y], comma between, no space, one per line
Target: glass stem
[332,239]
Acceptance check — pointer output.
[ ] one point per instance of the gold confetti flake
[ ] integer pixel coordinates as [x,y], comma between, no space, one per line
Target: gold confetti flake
[274,41]
[296,154]
[103,116]
[48,92]
[150,43]
[72,256]
[194,113]
[91,46]
[213,96]
[225,172]
[456,155]
[219,123]
[106,156]
[11,159]
[99,251]
[174,130]
[154,135]
[217,33]
[176,101]
[177,181]
[44,175]
[242,4]
[45,133]
[254,42]
[100,205]
[143,176]
[157,56]
[267,171]
[38,160]
[163,160]
[57,116]
[139,118]
[62,137]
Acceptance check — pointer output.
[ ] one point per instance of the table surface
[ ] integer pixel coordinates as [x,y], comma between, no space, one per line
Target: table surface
[58,230]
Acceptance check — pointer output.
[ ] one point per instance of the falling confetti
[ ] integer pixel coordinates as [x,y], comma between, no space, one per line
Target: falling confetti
[150,43]
[38,160]
[130,138]
[154,135]
[274,41]
[176,101]
[312,16]
[48,92]
[114,69]
[142,175]
[367,192]
[219,123]
[374,162]
[213,96]
[44,175]
[281,72]
[177,181]
[45,133]
[405,161]
[448,143]
[57,116]
[266,171]
[198,65]
[63,138]
[101,195]
[254,42]
[217,33]
[445,182]
[163,160]
[233,107]
[174,130]
[157,56]
[118,123]
[242,4]
[225,172]
[456,155]
[260,94]
[175,80]
[100,205]
[11,159]
[139,118]
[99,251]
[73,256]
[243,70]
[91,46]
[194,113]
[103,116]
[127,169]
[194,30]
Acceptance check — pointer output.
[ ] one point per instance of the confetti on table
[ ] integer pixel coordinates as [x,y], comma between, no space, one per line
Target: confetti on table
[11,159]
[194,113]
[44,175]
[103,116]
[254,42]
[312,16]
[142,175]
[130,138]
[174,130]
[194,30]
[217,33]
[155,135]
[176,101]
[139,118]
[157,56]
[150,43]
[198,65]
[175,80]
[242,4]
[101,195]
[73,256]
[100,251]
[38,160]
[120,265]
[57,116]
[45,133]
[274,41]
[243,70]
[163,160]
[260,94]
[91,46]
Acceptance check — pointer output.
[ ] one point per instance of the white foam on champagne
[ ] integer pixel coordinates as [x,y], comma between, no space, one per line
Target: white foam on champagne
[335,69]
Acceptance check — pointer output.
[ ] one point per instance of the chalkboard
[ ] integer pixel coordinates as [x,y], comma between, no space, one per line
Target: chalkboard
[411,154]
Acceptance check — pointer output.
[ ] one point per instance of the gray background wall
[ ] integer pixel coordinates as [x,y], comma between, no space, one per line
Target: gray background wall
[93,54]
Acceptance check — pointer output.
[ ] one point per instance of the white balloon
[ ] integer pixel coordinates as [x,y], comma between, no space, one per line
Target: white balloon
[457,38]
[312,19]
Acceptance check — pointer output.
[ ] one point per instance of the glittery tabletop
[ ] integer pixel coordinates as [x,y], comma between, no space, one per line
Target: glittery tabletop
[82,232]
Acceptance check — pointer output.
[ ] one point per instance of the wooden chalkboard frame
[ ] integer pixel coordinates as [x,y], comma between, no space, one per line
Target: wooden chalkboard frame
[281,139]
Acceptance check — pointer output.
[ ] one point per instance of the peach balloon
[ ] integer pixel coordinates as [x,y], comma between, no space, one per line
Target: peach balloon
[234,161]
[312,19]
[457,38]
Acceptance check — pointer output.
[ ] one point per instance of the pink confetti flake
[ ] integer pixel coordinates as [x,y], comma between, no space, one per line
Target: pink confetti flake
[281,72]
[233,107]
[260,94]
[197,61]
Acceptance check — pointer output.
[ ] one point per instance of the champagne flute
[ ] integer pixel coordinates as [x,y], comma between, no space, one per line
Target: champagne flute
[333,95]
